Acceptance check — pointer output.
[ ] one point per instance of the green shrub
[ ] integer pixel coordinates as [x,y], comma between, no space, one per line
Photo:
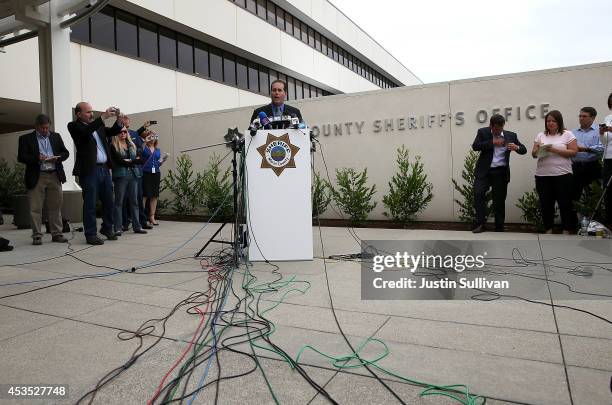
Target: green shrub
[409,190]
[467,212]
[353,196]
[529,204]
[321,195]
[11,182]
[588,201]
[185,186]
[216,185]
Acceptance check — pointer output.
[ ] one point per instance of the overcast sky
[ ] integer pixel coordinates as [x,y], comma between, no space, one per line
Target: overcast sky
[441,40]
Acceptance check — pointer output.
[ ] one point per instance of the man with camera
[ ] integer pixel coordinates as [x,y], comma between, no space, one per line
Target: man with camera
[493,169]
[93,165]
[43,151]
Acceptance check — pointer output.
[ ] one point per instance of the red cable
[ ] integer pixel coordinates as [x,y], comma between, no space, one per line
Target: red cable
[161,384]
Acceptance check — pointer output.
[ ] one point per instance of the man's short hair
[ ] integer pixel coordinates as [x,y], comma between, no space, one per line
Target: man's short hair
[589,110]
[610,101]
[42,119]
[497,120]
[279,81]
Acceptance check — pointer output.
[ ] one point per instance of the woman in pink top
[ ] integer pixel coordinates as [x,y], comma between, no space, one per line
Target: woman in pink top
[554,149]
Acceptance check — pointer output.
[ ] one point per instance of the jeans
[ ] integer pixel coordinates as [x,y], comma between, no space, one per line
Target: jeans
[96,185]
[141,209]
[126,186]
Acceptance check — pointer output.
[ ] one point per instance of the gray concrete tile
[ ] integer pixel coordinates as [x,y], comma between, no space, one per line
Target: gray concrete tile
[589,387]
[56,302]
[16,322]
[573,322]
[588,352]
[471,338]
[506,378]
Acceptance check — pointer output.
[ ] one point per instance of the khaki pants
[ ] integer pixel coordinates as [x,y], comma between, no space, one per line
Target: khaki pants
[49,188]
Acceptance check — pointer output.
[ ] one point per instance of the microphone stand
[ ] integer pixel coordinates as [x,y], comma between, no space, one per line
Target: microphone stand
[236,144]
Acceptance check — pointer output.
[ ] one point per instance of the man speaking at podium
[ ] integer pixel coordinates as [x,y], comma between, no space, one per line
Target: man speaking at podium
[277,108]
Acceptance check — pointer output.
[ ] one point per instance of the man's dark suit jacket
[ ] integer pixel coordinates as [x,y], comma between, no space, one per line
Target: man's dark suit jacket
[484,144]
[85,144]
[268,110]
[28,154]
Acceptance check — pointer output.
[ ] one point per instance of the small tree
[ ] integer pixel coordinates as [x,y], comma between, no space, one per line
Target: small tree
[11,182]
[321,195]
[216,186]
[185,186]
[353,196]
[409,190]
[467,212]
[529,204]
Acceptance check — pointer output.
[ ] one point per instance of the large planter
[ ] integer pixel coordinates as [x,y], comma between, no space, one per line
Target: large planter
[72,209]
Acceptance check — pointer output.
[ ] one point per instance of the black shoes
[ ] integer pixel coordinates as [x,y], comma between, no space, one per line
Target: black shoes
[125,227]
[59,239]
[147,226]
[140,231]
[95,240]
[109,235]
[479,229]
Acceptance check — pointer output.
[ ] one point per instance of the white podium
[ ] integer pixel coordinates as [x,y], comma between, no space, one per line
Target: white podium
[278,179]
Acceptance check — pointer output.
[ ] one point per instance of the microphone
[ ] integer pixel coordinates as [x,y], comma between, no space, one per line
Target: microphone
[295,121]
[264,120]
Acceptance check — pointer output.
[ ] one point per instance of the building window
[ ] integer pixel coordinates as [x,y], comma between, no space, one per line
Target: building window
[127,33]
[251,5]
[311,37]
[261,9]
[272,13]
[290,88]
[80,31]
[185,54]
[288,23]
[200,54]
[317,37]
[253,77]
[229,68]
[103,28]
[147,41]
[273,76]
[216,64]
[280,18]
[304,29]
[167,47]
[264,80]
[242,73]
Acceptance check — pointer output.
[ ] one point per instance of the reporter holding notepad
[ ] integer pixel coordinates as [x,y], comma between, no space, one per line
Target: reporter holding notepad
[554,149]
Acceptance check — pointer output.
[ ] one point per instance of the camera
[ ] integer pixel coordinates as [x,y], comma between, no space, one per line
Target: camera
[603,126]
[153,122]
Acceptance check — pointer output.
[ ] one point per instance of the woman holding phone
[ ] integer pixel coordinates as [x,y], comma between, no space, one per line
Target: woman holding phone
[554,149]
[152,161]
[125,178]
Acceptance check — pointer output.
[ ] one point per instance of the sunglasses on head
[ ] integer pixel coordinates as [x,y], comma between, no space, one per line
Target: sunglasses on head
[124,132]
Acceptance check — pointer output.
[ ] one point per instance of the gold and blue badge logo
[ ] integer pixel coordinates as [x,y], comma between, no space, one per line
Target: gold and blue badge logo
[278,153]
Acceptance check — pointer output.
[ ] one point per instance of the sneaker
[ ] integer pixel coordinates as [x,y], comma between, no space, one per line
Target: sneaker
[109,235]
[59,239]
[37,241]
[95,240]
[140,231]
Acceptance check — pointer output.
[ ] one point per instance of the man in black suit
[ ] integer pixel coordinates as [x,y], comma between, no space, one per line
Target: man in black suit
[43,152]
[277,108]
[92,165]
[493,169]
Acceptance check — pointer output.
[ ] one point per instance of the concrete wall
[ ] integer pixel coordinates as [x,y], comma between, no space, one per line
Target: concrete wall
[446,120]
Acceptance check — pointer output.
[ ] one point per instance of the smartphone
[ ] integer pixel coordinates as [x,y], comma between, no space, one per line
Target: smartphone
[153,122]
[603,126]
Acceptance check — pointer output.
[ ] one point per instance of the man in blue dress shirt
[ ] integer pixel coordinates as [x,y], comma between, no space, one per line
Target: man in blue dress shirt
[586,165]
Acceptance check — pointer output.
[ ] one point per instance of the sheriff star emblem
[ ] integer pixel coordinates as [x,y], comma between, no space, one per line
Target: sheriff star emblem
[278,153]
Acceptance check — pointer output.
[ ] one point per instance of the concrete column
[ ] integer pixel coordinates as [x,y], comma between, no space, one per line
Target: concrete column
[55,83]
